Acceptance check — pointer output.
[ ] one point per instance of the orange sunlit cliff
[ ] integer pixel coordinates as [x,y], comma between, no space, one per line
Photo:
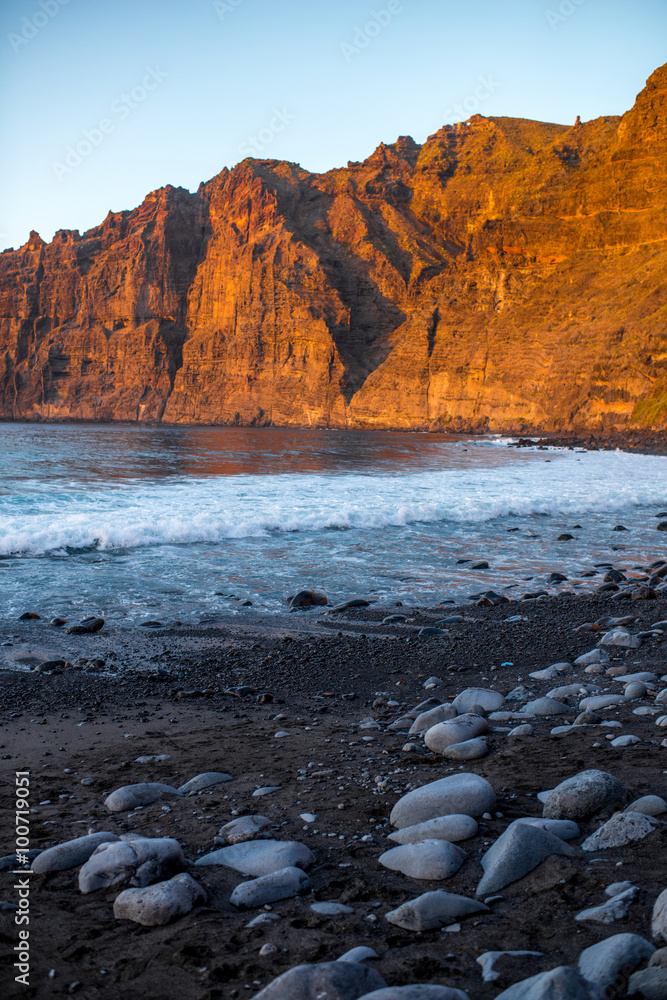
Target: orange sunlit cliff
[507,274]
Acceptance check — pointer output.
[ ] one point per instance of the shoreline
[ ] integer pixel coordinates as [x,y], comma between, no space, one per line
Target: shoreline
[216,698]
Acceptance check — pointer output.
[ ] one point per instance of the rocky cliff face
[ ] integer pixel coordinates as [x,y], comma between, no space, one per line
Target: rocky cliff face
[507,275]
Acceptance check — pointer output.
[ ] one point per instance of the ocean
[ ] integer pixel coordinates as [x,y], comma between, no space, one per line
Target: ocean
[182,523]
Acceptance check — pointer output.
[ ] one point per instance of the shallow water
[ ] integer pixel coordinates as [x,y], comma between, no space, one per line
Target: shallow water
[131,521]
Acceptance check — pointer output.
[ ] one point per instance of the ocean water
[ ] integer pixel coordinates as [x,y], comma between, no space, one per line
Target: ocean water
[170,522]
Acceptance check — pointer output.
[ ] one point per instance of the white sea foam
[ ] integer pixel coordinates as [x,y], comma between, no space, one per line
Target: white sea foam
[209,510]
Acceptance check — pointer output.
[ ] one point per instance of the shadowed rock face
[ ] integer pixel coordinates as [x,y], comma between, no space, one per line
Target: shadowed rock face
[507,275]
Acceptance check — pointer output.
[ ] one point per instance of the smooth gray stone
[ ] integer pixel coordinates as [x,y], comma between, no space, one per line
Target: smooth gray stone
[651,983]
[473,698]
[602,963]
[463,727]
[142,794]
[201,781]
[330,909]
[650,805]
[259,793]
[620,637]
[427,859]
[643,677]
[70,854]
[583,795]
[564,829]
[283,884]
[423,706]
[544,707]
[401,725]
[634,690]
[260,857]
[562,983]
[327,981]
[625,741]
[489,959]
[262,919]
[434,715]
[139,860]
[434,909]
[432,682]
[457,793]
[568,691]
[524,730]
[237,831]
[597,701]
[468,750]
[453,828]
[358,954]
[616,888]
[516,852]
[158,904]
[659,917]
[593,656]
[417,993]
[608,913]
[621,829]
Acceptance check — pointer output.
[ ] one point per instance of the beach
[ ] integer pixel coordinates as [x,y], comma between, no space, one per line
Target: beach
[214,698]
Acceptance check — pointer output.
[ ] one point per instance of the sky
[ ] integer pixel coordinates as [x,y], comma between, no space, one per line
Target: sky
[104,101]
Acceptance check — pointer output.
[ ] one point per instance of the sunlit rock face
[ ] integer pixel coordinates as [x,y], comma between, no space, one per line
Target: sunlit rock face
[506,275]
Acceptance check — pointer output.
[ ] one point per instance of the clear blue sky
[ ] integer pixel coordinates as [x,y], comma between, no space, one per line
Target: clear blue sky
[184,85]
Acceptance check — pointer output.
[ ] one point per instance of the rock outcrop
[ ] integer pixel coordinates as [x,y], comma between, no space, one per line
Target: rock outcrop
[506,275]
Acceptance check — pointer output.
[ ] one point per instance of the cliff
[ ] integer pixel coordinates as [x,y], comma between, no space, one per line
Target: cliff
[506,275]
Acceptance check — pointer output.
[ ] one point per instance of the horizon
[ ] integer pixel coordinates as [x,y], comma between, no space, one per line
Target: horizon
[173,94]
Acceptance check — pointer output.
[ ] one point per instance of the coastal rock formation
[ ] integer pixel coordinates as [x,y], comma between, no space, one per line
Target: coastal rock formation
[448,286]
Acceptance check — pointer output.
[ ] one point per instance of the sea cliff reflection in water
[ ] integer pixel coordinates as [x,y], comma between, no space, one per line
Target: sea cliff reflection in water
[133,520]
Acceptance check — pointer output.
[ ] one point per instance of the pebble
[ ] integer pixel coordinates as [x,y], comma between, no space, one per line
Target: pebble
[524,730]
[614,909]
[267,950]
[201,781]
[625,741]
[468,750]
[622,638]
[616,888]
[489,959]
[659,917]
[562,983]
[330,909]
[457,793]
[141,860]
[417,993]
[569,691]
[472,699]
[623,828]
[544,706]
[281,884]
[516,852]
[593,656]
[602,963]
[643,677]
[260,857]
[307,817]
[70,854]
[455,827]
[142,794]
[583,795]
[158,904]
[564,829]
[458,730]
[425,859]
[423,722]
[358,954]
[265,790]
[634,690]
[244,828]
[333,980]
[650,805]
[432,682]
[600,701]
[263,919]
[651,984]
[432,910]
